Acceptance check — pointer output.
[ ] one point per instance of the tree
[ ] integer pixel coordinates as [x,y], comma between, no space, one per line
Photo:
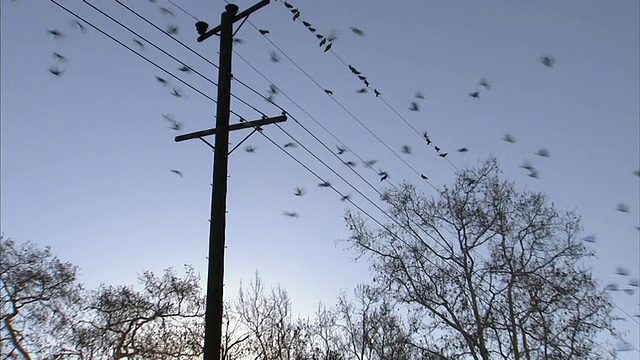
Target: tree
[486,271]
[164,320]
[39,302]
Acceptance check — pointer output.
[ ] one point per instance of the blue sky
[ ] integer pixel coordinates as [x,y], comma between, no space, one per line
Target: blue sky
[86,156]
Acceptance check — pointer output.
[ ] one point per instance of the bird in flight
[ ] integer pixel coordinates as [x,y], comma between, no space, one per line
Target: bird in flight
[533,173]
[622,271]
[176,93]
[250,149]
[324,184]
[419,95]
[177,172]
[406,149]
[356,31]
[622,207]
[291,214]
[370,163]
[55,33]
[263,31]
[55,70]
[299,191]
[485,84]
[59,57]
[548,61]
[362,91]
[138,43]
[350,163]
[543,152]
[238,41]
[463,150]
[341,150]
[414,106]
[475,94]
[162,81]
[509,138]
[172,29]
[273,56]
[637,173]
[590,239]
[184,68]
[290,145]
[79,25]
[166,11]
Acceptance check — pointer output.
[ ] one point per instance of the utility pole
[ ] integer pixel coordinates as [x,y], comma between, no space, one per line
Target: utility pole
[215,274]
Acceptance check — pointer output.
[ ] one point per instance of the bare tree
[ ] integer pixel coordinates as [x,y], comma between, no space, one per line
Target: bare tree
[486,271]
[39,297]
[164,320]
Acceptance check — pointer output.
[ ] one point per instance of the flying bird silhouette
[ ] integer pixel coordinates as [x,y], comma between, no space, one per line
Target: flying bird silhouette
[55,33]
[325,184]
[362,91]
[622,207]
[590,239]
[290,145]
[414,106]
[274,57]
[350,163]
[55,70]
[406,149]
[184,68]
[634,282]
[299,191]
[621,271]
[543,152]
[548,61]
[166,11]
[341,150]
[533,173]
[419,95]
[250,149]
[291,214]
[612,287]
[172,29]
[59,57]
[176,93]
[475,94]
[139,43]
[238,41]
[273,89]
[356,31]
[79,25]
[485,84]
[332,37]
[370,163]
[162,81]
[509,138]
[637,173]
[177,172]
[463,150]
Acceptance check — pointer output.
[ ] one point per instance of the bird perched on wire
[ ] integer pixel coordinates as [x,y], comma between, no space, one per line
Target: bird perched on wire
[383,175]
[263,31]
[329,92]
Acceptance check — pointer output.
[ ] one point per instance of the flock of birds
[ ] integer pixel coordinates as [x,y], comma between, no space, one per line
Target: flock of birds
[326,42]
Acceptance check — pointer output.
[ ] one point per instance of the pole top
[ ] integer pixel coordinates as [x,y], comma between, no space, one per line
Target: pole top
[232,8]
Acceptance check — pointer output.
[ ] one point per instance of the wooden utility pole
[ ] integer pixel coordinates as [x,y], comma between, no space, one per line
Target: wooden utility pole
[215,275]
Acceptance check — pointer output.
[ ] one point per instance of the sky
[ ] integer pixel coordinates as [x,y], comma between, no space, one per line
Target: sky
[86,156]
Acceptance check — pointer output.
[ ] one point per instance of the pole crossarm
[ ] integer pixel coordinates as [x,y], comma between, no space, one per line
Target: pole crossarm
[239,126]
[241,15]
